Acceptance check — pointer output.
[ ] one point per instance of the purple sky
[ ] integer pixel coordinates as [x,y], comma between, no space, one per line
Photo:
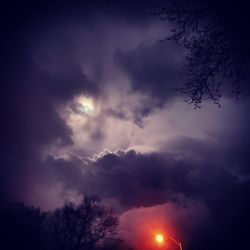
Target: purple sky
[90,107]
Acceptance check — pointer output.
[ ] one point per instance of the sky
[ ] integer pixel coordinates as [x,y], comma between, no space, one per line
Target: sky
[90,106]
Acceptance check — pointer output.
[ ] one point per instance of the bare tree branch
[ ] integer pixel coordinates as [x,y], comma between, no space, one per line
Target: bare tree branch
[218,44]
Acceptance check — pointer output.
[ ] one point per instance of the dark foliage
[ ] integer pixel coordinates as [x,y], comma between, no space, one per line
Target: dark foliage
[23,227]
[215,33]
[74,227]
[88,225]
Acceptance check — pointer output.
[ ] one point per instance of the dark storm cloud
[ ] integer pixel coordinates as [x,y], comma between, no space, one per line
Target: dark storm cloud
[137,180]
[31,95]
[35,85]
[31,102]
[153,70]
[147,179]
[229,148]
[41,71]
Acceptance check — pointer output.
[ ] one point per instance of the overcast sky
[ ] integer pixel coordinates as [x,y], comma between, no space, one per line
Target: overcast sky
[90,107]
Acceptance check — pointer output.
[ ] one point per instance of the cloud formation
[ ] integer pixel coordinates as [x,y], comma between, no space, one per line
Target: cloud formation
[142,150]
[214,198]
[153,70]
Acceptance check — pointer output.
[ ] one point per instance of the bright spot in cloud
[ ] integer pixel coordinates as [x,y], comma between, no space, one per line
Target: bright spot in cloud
[86,105]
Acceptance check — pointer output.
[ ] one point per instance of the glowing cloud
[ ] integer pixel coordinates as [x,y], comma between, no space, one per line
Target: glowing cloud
[86,105]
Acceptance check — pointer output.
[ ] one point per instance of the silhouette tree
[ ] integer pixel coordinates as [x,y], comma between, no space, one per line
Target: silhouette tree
[115,245]
[22,227]
[88,225]
[78,227]
[215,33]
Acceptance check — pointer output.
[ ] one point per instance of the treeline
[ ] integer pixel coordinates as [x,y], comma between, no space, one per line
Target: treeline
[89,225]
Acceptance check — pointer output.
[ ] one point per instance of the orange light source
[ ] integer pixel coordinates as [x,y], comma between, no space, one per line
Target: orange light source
[159,239]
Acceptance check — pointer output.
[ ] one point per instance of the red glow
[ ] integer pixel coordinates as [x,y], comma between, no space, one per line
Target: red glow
[149,228]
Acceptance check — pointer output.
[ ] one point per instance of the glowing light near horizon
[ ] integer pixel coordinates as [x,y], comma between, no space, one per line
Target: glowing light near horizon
[159,238]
